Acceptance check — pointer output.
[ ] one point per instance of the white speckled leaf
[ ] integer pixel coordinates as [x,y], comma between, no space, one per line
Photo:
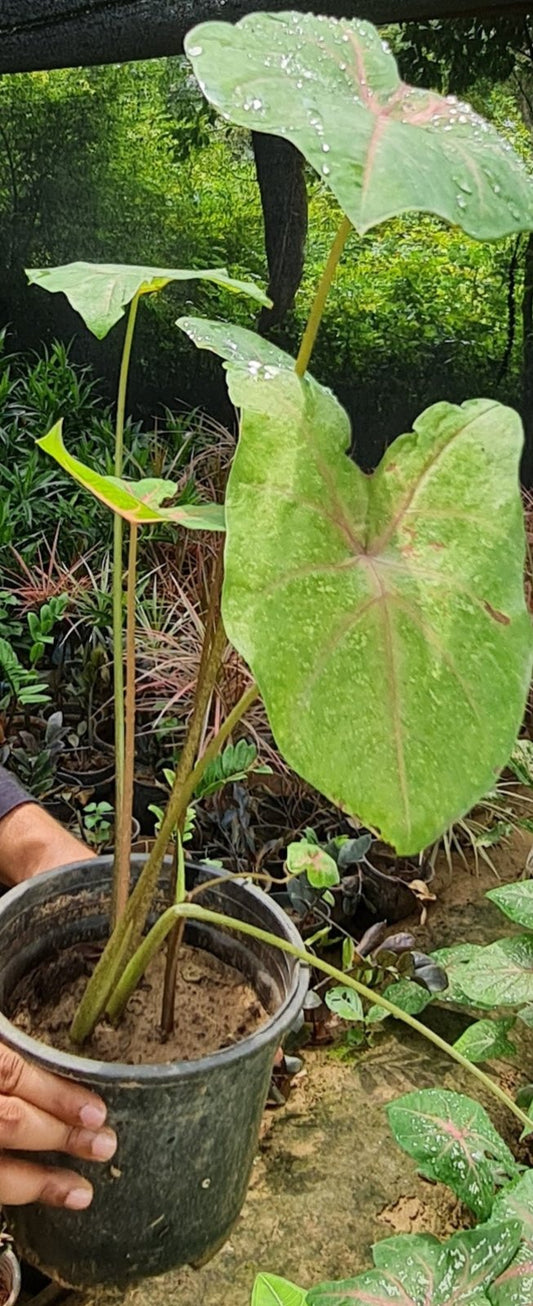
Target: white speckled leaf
[383,617]
[417,1270]
[515,1286]
[99,292]
[453,1141]
[500,974]
[332,88]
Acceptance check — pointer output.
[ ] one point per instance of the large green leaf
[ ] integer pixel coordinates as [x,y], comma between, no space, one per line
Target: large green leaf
[417,1270]
[333,89]
[383,617]
[455,960]
[515,1286]
[99,292]
[453,1141]
[516,901]
[501,974]
[270,1290]
[136,501]
[486,1039]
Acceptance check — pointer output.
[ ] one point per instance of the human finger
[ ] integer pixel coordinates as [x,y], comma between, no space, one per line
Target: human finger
[59,1097]
[22,1182]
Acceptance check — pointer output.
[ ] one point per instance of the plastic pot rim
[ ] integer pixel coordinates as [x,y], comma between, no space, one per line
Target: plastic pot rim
[90,1070]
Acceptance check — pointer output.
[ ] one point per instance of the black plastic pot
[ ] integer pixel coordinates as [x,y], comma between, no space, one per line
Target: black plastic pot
[187,1131]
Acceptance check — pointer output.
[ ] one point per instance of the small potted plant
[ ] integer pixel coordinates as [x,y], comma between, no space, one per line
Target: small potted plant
[377,615]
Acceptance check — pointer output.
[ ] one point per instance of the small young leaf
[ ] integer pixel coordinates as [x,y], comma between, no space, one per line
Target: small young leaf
[486,1039]
[269,1290]
[515,901]
[345,1003]
[348,953]
[311,860]
[135,501]
[99,292]
[352,851]
[453,1141]
[515,1286]
[417,1270]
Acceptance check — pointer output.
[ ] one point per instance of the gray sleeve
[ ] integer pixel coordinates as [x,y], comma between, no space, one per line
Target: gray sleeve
[11,793]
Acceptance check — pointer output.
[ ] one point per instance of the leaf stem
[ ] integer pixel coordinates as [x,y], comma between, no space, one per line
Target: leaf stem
[123,818]
[191,911]
[118,668]
[315,316]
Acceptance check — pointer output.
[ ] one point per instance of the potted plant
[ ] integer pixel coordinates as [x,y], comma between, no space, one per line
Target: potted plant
[376,613]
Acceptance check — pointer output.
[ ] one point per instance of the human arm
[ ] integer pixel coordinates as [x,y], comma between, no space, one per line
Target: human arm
[31,841]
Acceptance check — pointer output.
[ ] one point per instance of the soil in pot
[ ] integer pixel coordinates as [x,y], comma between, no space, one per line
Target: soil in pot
[216,1008]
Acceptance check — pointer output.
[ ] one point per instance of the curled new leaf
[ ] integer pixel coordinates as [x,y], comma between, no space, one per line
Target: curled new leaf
[99,292]
[383,616]
[140,502]
[333,89]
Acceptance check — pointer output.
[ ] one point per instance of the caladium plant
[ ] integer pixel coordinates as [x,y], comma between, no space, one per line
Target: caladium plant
[413,1270]
[381,617]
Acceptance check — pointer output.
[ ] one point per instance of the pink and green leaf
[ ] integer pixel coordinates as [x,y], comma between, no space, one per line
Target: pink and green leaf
[333,89]
[383,617]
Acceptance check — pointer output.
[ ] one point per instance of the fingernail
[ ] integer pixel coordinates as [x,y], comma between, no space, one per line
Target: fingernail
[93,1115]
[79,1199]
[104,1146]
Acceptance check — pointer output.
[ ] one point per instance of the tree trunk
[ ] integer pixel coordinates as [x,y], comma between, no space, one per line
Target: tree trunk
[37,34]
[281,177]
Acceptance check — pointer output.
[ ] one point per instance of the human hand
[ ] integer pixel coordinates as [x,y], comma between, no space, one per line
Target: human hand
[32,842]
[41,1112]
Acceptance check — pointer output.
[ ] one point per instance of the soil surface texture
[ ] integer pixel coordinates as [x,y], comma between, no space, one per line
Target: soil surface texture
[215,1007]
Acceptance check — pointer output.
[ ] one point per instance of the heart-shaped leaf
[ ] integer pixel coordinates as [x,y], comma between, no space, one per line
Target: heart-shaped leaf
[417,1270]
[515,1286]
[333,89]
[309,859]
[99,292]
[501,974]
[453,1141]
[516,901]
[486,1039]
[382,616]
[270,1290]
[140,502]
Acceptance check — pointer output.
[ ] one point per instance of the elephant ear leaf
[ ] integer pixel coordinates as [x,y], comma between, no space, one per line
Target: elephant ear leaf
[514,1286]
[138,502]
[333,89]
[383,617]
[100,292]
[270,1290]
[417,1270]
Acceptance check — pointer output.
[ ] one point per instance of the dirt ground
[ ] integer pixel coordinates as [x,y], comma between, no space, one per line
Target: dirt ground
[328,1179]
